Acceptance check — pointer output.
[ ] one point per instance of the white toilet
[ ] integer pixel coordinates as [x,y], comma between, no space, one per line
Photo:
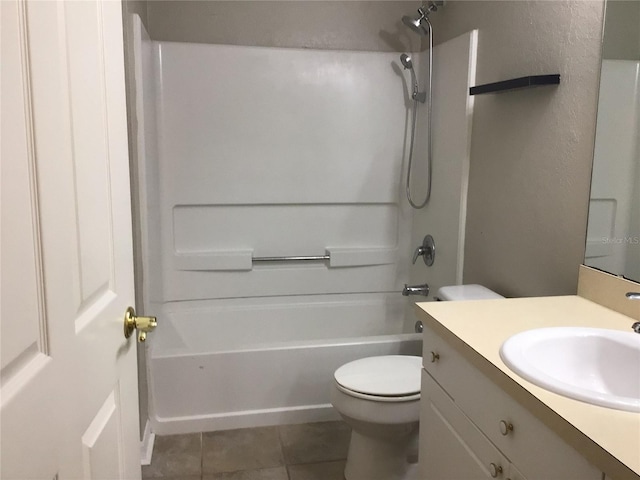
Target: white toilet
[466,292]
[379,397]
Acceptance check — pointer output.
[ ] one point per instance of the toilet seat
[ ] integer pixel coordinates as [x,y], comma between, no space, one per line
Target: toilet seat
[377,398]
[389,378]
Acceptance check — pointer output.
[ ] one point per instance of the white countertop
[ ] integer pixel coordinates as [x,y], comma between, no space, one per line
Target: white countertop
[608,438]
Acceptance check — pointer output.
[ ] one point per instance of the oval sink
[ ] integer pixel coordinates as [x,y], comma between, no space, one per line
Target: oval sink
[597,366]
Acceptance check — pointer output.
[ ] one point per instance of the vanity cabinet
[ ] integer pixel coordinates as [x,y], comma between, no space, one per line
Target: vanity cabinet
[454,447]
[471,429]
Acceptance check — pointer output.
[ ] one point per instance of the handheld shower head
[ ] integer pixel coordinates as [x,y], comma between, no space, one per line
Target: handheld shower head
[406,61]
[408,65]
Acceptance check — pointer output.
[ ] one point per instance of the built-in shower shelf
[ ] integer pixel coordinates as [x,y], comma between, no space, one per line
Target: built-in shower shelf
[516,83]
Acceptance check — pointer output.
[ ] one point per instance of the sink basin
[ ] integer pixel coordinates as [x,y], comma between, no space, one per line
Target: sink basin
[597,366]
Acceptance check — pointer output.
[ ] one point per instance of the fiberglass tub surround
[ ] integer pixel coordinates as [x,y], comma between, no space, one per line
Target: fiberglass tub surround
[256,152]
[271,363]
[242,176]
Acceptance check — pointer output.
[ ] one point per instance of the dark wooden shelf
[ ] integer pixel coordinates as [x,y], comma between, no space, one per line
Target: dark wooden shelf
[515,83]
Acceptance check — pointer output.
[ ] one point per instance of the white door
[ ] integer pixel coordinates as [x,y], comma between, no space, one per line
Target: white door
[68,405]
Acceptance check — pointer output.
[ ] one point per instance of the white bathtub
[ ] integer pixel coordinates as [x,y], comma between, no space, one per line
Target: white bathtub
[254,362]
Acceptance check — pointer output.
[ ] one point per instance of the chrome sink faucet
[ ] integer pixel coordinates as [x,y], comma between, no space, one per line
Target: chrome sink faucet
[634,296]
[416,290]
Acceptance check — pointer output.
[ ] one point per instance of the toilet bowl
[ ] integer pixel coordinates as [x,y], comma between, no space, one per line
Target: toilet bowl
[379,397]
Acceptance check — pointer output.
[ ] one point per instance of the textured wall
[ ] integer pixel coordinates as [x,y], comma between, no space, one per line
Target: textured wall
[531,151]
[348,25]
[622,30]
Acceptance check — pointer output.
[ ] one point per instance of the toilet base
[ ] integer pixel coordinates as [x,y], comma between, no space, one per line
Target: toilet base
[372,458]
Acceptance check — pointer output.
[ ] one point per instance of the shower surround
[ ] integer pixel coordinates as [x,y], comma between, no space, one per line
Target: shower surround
[251,152]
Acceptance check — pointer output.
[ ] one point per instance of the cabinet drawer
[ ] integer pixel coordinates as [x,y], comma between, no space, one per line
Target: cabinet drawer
[514,473]
[537,451]
[451,446]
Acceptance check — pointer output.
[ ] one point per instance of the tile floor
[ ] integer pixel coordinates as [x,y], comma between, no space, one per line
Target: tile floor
[310,451]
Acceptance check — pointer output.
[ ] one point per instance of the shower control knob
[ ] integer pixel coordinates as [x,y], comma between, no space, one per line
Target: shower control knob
[427,251]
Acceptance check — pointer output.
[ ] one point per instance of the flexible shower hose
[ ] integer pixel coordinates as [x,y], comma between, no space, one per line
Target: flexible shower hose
[413,132]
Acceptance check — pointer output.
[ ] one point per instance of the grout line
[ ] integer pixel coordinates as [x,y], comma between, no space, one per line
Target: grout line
[285,462]
[284,458]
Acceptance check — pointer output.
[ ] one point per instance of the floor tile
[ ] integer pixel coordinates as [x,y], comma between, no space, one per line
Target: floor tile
[317,471]
[315,442]
[277,473]
[245,449]
[180,477]
[175,456]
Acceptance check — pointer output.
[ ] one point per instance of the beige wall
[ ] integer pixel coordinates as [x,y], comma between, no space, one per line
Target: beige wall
[531,151]
[351,25]
[622,35]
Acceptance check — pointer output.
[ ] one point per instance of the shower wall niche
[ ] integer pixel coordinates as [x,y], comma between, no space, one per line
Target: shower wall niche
[252,152]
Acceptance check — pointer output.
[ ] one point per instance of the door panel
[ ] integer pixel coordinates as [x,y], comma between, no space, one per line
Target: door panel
[102,440]
[26,369]
[69,381]
[25,327]
[89,148]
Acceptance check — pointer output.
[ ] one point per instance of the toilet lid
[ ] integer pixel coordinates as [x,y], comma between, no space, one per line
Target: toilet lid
[385,376]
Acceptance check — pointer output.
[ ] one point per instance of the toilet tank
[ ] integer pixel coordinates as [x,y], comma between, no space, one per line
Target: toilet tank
[466,292]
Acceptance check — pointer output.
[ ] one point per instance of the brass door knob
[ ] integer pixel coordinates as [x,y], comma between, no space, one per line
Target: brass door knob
[142,324]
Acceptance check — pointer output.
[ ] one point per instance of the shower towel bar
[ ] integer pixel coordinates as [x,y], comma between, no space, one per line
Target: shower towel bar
[243,260]
[314,258]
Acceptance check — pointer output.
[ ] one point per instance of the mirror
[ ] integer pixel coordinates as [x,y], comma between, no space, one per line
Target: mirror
[613,233]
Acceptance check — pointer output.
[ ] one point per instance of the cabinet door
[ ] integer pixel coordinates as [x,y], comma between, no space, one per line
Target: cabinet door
[537,451]
[514,474]
[451,447]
